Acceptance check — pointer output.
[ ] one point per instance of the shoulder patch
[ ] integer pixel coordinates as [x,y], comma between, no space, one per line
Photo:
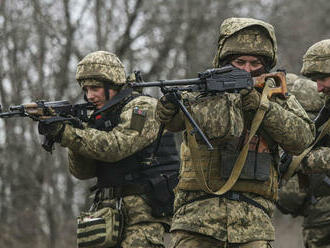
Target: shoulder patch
[138,119]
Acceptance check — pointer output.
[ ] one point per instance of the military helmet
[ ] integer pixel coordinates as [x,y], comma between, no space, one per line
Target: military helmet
[317,59]
[246,36]
[99,68]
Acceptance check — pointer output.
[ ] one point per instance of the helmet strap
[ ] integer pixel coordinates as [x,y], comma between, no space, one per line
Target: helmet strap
[106,91]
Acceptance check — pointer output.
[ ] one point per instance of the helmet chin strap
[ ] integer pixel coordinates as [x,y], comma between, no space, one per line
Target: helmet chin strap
[106,91]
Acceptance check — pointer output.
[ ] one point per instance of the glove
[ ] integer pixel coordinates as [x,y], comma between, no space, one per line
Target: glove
[165,109]
[250,100]
[53,131]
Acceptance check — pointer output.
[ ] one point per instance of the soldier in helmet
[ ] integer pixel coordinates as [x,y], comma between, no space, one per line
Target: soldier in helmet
[116,147]
[208,212]
[293,199]
[315,166]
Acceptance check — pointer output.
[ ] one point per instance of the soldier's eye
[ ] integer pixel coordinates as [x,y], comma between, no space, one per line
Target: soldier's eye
[255,63]
[240,62]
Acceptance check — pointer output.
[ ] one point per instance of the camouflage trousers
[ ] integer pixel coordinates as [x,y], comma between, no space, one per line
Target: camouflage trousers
[183,239]
[317,237]
[143,235]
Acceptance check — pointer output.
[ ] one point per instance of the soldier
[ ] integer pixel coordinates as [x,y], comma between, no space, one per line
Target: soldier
[292,199]
[116,147]
[204,216]
[316,228]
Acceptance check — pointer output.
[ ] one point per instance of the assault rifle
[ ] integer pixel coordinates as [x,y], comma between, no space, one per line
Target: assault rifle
[51,112]
[227,78]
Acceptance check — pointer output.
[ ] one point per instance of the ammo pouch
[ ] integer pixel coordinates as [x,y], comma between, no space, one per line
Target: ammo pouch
[256,167]
[161,196]
[219,116]
[100,229]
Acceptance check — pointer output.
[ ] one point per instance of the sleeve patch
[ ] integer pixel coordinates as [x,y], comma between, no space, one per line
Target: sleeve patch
[138,119]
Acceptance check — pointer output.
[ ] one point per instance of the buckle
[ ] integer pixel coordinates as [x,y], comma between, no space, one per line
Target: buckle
[107,193]
[233,196]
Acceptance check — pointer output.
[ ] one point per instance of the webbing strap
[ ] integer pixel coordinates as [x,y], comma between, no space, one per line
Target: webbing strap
[239,164]
[296,160]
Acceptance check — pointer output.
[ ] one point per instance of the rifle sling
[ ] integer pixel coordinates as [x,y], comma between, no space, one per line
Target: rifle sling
[296,160]
[116,99]
[239,164]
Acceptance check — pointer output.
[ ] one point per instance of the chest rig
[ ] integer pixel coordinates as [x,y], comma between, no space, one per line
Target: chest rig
[139,167]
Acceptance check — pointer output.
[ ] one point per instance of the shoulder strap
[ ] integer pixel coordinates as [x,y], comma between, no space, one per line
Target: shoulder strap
[239,164]
[296,160]
[116,99]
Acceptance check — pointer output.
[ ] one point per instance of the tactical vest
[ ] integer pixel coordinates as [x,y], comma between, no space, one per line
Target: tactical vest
[259,174]
[138,167]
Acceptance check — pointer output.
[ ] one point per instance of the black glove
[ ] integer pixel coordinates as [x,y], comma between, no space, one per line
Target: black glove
[166,109]
[52,131]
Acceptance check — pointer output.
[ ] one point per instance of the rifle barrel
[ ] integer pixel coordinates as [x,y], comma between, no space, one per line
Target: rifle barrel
[164,83]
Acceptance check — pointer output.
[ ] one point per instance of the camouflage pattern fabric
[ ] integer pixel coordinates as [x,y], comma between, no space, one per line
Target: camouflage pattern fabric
[305,91]
[103,66]
[317,59]
[87,145]
[318,235]
[290,79]
[141,228]
[182,239]
[223,219]
[291,196]
[317,161]
[239,222]
[247,44]
[282,116]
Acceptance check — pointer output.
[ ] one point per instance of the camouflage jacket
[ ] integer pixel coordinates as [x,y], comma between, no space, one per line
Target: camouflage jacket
[292,196]
[236,221]
[88,146]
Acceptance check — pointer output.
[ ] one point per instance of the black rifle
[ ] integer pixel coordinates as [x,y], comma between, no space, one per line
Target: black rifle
[227,78]
[51,112]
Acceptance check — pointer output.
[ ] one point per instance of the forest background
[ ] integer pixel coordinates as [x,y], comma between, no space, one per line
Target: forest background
[41,42]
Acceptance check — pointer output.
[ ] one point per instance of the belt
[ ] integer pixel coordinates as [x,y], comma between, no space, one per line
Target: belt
[109,193]
[234,196]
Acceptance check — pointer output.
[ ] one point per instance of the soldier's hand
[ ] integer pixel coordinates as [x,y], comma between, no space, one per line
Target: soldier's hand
[165,110]
[250,100]
[52,131]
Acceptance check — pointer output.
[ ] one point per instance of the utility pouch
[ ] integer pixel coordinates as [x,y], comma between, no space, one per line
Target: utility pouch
[219,116]
[256,167]
[100,229]
[161,198]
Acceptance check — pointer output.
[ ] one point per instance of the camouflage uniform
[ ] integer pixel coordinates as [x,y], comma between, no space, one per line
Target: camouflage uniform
[241,217]
[91,147]
[316,232]
[292,198]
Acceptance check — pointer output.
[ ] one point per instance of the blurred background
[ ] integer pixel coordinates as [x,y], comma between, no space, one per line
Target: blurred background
[41,42]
